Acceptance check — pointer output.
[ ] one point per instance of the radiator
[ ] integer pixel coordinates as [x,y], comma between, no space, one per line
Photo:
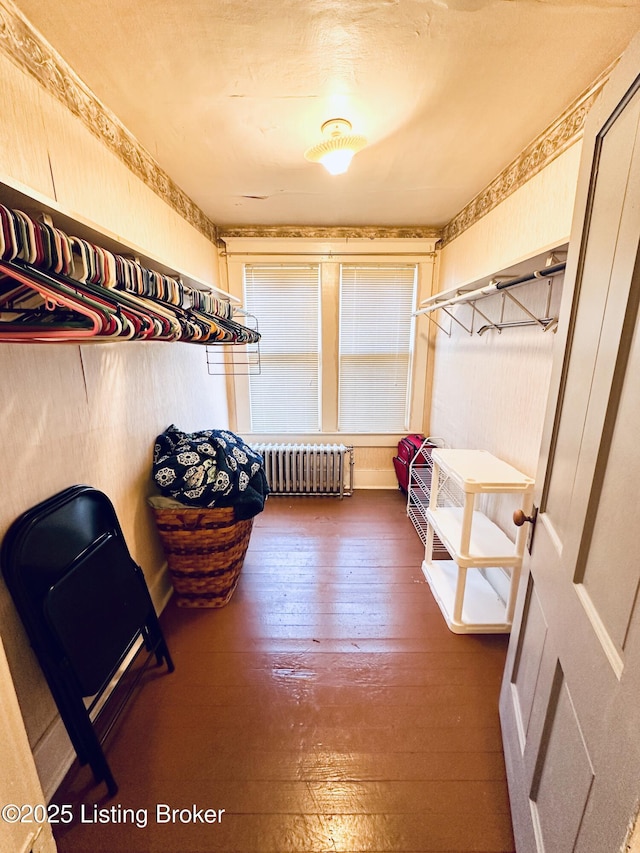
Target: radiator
[308,469]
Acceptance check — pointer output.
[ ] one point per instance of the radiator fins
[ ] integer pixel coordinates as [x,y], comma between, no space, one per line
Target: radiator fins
[308,469]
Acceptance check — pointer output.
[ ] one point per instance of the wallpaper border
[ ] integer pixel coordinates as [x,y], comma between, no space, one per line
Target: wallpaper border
[31,52]
[28,49]
[311,232]
[550,144]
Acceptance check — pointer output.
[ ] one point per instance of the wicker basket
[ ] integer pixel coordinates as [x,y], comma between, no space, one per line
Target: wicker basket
[205,550]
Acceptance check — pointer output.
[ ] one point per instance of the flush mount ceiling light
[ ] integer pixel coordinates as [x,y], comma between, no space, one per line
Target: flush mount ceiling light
[336,151]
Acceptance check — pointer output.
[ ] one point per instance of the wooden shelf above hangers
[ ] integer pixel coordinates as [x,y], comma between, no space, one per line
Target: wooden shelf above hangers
[541,267]
[58,286]
[15,196]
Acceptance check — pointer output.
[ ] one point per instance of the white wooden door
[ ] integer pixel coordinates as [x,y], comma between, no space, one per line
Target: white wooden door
[570,700]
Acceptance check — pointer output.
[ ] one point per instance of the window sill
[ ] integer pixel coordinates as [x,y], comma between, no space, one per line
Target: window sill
[355,439]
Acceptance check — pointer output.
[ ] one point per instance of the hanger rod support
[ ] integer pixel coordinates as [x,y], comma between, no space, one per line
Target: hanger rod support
[546,323]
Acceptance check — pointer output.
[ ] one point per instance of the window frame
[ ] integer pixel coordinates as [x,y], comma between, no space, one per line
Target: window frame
[330,254]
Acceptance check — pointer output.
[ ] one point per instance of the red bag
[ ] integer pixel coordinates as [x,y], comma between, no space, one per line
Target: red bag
[408,448]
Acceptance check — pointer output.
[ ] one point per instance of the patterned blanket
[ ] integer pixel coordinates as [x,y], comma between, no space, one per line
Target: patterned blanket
[210,468]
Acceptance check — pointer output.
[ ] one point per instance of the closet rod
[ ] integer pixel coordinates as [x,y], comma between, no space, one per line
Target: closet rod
[543,273]
[492,287]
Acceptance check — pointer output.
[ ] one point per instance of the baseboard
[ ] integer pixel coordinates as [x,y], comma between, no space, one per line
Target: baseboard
[161,590]
[53,753]
[374,478]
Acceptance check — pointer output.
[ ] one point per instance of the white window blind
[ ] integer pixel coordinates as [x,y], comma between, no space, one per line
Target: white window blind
[376,345]
[285,396]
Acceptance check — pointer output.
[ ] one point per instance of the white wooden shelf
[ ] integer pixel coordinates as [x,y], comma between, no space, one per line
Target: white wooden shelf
[14,195]
[502,284]
[488,545]
[479,471]
[476,589]
[483,608]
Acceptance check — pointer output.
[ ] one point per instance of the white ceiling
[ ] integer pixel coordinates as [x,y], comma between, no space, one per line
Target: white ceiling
[228,94]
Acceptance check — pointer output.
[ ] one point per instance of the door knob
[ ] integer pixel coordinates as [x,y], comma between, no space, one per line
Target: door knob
[519,518]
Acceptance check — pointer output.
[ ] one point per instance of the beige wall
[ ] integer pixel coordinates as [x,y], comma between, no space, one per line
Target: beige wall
[49,151]
[490,391]
[535,217]
[89,414]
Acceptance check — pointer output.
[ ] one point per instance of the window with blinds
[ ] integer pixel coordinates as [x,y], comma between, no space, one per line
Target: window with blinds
[376,347]
[285,396]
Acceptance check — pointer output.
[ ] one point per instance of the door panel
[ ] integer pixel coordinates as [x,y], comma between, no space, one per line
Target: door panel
[569,704]
[528,659]
[612,595]
[563,765]
[608,197]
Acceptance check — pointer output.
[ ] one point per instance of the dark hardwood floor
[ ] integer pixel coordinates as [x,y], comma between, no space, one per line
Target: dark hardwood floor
[327,707]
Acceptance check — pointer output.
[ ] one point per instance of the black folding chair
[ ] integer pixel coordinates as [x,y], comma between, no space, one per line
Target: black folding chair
[86,609]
